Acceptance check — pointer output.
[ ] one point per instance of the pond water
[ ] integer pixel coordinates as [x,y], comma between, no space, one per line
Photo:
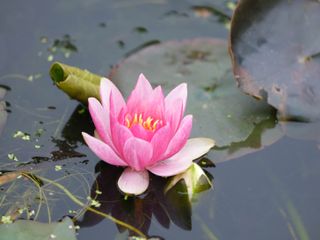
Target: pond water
[271,193]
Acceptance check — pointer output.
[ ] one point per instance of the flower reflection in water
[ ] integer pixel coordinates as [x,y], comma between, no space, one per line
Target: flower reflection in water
[172,205]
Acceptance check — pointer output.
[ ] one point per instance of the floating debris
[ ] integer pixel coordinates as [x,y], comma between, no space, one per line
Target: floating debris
[34,77]
[53,236]
[22,135]
[67,54]
[102,25]
[208,11]
[58,167]
[121,44]
[231,5]
[13,157]
[6,219]
[64,46]
[21,210]
[39,132]
[93,202]
[31,213]
[50,58]
[98,192]
[176,14]
[140,30]
[72,212]
[44,39]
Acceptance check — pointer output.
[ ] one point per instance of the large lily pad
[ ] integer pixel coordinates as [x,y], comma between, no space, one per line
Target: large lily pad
[220,110]
[30,230]
[275,49]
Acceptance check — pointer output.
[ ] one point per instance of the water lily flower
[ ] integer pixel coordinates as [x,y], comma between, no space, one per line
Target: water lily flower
[146,133]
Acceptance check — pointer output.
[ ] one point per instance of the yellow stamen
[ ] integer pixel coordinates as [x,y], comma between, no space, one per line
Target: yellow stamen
[135,119]
[128,124]
[155,124]
[140,119]
[148,124]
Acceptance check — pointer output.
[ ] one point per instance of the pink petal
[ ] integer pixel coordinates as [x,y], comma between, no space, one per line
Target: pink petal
[142,91]
[160,142]
[174,114]
[140,132]
[143,84]
[137,153]
[106,87]
[155,105]
[100,118]
[120,134]
[122,115]
[180,92]
[180,138]
[103,151]
[178,163]
[133,182]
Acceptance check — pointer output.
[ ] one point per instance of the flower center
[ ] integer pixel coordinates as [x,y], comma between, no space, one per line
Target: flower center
[149,123]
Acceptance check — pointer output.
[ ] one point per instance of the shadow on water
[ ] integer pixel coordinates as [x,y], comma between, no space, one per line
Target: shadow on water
[170,207]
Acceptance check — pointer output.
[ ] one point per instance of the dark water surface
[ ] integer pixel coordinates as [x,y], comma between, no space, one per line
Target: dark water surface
[269,194]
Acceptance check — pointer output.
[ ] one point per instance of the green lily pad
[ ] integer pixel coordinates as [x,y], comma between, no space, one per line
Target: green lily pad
[30,230]
[265,134]
[276,54]
[221,111]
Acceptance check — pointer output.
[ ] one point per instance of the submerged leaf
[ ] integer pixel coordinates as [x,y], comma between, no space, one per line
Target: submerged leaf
[30,230]
[178,205]
[77,83]
[276,54]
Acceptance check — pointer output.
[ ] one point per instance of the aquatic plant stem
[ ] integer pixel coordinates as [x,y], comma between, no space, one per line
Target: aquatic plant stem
[77,201]
[42,197]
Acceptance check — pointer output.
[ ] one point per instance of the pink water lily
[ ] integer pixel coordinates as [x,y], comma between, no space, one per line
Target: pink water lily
[146,133]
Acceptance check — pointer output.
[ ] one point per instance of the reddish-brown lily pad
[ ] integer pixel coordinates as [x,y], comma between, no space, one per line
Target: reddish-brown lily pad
[220,110]
[276,54]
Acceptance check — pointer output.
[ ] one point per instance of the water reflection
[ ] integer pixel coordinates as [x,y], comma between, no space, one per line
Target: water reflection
[170,207]
[79,121]
[66,146]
